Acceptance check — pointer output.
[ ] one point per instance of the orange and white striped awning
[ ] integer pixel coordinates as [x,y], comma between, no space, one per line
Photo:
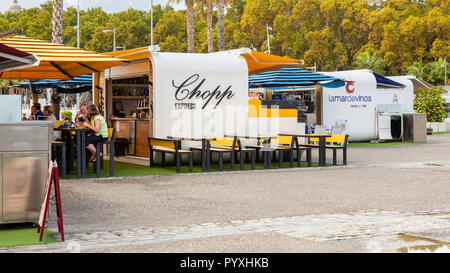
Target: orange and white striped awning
[57,61]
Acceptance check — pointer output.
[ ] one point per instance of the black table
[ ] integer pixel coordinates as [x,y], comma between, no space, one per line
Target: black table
[206,144]
[266,147]
[81,148]
[322,145]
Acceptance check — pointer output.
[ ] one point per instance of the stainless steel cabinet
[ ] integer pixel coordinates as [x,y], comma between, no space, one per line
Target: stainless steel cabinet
[24,161]
[1,188]
[22,186]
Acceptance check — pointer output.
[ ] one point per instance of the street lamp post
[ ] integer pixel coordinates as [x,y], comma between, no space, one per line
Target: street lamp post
[445,77]
[78,24]
[151,19]
[78,43]
[114,37]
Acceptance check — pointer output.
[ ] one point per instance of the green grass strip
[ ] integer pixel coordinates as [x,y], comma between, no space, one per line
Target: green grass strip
[132,170]
[11,236]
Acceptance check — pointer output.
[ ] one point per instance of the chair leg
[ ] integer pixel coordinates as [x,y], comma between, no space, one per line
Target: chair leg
[151,158]
[220,161]
[254,153]
[241,158]
[269,159]
[309,157]
[111,159]
[178,162]
[191,162]
[98,163]
[101,157]
[63,160]
[299,158]
[163,159]
[334,157]
[274,156]
[344,155]
[264,154]
[232,160]
[291,157]
[280,159]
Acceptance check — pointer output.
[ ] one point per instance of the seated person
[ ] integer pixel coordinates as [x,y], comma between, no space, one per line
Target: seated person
[48,113]
[100,128]
[81,116]
[36,112]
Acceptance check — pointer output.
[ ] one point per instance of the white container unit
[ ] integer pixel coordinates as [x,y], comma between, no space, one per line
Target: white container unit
[370,110]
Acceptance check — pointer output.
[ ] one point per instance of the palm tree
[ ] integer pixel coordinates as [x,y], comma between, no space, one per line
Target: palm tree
[419,70]
[57,21]
[370,60]
[221,24]
[190,23]
[209,19]
[57,35]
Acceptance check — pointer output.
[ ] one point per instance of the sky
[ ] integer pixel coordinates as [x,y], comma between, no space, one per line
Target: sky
[107,5]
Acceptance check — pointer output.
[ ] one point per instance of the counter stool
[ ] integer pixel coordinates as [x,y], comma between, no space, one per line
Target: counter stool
[62,158]
[98,165]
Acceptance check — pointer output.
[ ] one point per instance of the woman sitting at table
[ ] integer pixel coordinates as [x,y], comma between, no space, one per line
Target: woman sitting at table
[100,128]
[48,113]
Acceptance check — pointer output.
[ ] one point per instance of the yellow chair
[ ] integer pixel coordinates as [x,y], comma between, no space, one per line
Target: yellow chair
[164,146]
[58,123]
[232,146]
[338,142]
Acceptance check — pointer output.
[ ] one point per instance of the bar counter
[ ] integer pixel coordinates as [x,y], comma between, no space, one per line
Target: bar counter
[136,131]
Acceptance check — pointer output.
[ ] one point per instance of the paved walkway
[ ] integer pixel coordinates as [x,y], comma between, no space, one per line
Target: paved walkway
[384,192]
[312,227]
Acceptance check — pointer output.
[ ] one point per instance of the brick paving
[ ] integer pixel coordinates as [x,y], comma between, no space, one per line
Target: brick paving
[320,228]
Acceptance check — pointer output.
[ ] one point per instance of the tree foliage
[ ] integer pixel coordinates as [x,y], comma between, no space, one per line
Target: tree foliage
[431,102]
[334,34]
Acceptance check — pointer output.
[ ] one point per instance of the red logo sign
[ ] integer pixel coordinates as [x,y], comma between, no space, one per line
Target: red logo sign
[350,87]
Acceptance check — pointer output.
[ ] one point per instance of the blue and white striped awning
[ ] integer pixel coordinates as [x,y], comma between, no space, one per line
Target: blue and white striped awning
[290,77]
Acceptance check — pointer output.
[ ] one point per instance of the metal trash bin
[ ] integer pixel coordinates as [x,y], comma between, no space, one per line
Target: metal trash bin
[414,127]
[120,147]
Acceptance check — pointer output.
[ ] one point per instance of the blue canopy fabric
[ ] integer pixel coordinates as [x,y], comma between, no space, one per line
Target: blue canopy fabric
[290,77]
[383,82]
[85,80]
[75,90]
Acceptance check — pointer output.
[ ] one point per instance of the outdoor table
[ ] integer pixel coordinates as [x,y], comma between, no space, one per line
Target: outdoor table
[206,145]
[322,144]
[266,144]
[81,148]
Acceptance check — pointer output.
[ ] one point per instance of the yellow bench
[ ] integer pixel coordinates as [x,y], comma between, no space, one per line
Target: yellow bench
[280,144]
[169,146]
[232,146]
[335,142]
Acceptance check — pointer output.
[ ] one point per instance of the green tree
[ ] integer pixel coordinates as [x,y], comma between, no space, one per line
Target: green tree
[419,70]
[437,71]
[430,102]
[170,32]
[370,60]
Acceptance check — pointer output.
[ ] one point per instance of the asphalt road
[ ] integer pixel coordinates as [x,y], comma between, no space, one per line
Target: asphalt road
[402,179]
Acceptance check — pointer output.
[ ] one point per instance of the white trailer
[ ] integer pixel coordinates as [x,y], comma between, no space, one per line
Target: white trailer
[369,106]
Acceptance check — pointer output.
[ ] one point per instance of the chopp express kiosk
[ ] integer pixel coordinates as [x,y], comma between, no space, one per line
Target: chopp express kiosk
[370,106]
